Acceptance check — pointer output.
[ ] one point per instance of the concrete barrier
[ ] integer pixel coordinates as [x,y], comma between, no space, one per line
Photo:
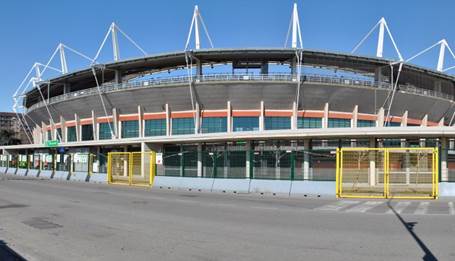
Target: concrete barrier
[3,170]
[61,175]
[183,183]
[313,188]
[447,189]
[98,178]
[270,186]
[11,171]
[21,172]
[231,185]
[79,176]
[33,173]
[46,174]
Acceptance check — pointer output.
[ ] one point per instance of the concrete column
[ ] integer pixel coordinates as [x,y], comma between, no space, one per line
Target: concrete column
[325,119]
[380,118]
[144,158]
[66,88]
[78,127]
[115,123]
[95,126]
[198,68]
[168,121]
[226,162]
[229,117]
[140,120]
[265,68]
[197,123]
[249,160]
[372,170]
[261,117]
[424,121]
[294,116]
[63,128]
[355,116]
[404,119]
[199,160]
[118,76]
[407,162]
[306,159]
[378,76]
[444,157]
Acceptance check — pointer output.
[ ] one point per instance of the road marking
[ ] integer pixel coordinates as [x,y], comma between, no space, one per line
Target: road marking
[337,205]
[422,208]
[364,207]
[399,207]
[451,208]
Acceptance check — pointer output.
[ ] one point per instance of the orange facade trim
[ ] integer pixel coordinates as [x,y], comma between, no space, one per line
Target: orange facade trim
[104,120]
[311,114]
[340,115]
[213,114]
[432,123]
[132,117]
[414,121]
[182,114]
[395,119]
[270,113]
[154,116]
[86,121]
[366,117]
[70,123]
[238,113]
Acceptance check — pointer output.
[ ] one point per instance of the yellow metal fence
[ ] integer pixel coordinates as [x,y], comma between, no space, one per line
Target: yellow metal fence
[387,173]
[131,168]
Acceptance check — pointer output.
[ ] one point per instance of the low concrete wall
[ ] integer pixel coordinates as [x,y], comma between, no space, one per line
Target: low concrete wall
[79,176]
[61,175]
[98,178]
[313,188]
[33,173]
[184,183]
[11,171]
[447,189]
[270,186]
[45,174]
[21,172]
[3,170]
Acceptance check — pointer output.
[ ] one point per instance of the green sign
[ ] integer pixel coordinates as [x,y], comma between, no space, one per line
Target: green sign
[52,143]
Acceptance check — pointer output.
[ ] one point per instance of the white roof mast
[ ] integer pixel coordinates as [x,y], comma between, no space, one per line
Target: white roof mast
[294,26]
[195,24]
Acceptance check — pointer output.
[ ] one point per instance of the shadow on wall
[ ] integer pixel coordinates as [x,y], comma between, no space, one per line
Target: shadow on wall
[8,254]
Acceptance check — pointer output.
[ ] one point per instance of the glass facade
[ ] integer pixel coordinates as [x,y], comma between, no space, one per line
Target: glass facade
[156,127]
[309,123]
[130,129]
[71,134]
[87,132]
[339,123]
[245,123]
[182,126]
[366,123]
[49,135]
[392,124]
[277,123]
[104,131]
[216,124]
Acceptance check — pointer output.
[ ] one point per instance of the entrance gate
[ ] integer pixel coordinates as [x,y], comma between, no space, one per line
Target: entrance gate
[387,173]
[131,168]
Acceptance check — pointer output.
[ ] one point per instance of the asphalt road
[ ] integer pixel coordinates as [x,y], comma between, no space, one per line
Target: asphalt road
[48,220]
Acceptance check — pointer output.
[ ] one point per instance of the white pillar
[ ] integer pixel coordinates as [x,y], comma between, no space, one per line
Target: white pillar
[444,155]
[372,170]
[199,160]
[229,117]
[168,120]
[294,116]
[325,120]
[261,117]
[306,159]
[248,160]
[380,118]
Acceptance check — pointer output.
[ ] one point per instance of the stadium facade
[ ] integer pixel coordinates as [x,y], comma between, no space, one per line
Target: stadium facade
[256,120]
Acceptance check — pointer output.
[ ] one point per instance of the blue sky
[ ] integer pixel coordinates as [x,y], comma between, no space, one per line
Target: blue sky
[30,30]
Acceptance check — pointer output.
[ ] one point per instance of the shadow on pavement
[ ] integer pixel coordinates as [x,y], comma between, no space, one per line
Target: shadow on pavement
[410,228]
[7,254]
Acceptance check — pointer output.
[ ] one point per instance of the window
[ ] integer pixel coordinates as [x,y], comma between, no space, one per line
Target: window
[216,124]
[392,124]
[130,129]
[155,127]
[49,135]
[71,134]
[104,131]
[87,132]
[246,123]
[182,126]
[339,123]
[365,123]
[309,123]
[59,134]
[277,123]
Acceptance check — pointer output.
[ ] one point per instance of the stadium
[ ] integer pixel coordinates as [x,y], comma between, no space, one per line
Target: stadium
[269,120]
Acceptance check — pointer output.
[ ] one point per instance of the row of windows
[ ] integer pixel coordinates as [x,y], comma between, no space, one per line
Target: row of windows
[180,126]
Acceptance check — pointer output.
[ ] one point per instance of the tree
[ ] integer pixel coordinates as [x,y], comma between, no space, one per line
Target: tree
[8,137]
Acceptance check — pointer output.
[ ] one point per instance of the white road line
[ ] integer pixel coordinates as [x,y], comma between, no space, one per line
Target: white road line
[364,207]
[337,205]
[399,207]
[422,208]
[451,208]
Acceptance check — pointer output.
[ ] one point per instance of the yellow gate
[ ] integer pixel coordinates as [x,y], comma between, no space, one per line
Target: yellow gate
[131,168]
[387,173]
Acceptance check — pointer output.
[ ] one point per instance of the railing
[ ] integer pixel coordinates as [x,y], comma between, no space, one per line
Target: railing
[308,78]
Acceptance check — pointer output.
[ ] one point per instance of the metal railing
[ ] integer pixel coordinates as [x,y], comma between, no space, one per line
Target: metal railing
[307,78]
